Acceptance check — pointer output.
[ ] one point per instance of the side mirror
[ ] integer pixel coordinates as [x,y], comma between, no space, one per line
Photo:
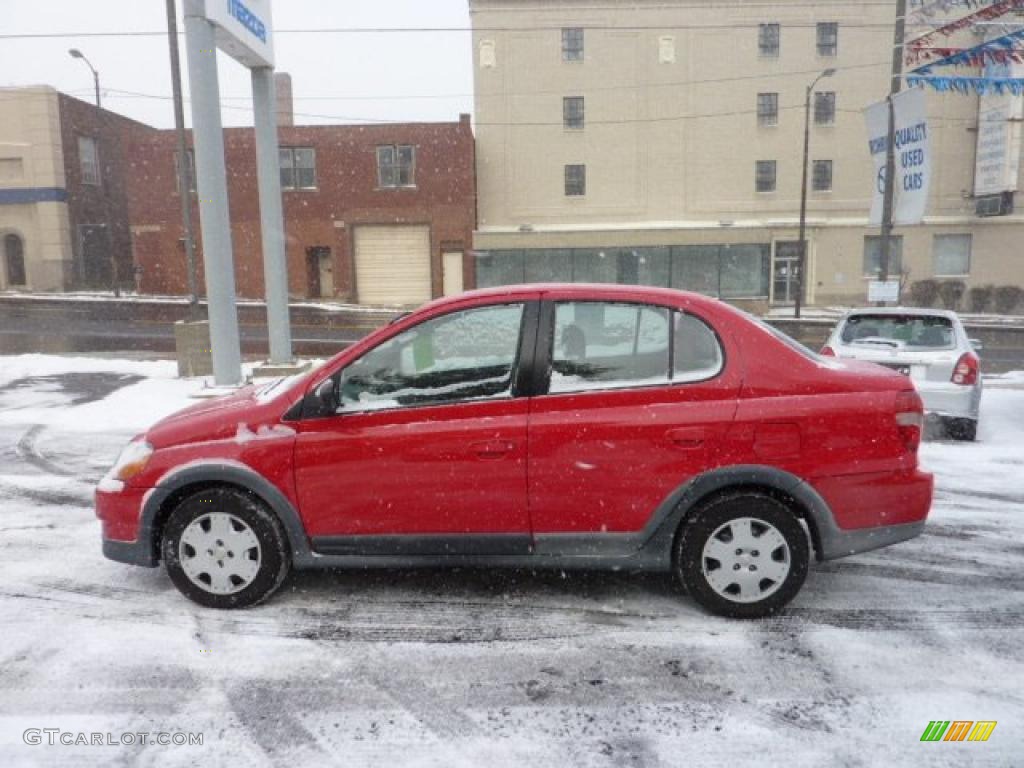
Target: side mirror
[976,343]
[321,401]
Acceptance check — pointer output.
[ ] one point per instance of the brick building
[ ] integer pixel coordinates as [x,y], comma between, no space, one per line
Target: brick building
[379,214]
[63,206]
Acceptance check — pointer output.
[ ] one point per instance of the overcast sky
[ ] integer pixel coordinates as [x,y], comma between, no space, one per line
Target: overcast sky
[336,77]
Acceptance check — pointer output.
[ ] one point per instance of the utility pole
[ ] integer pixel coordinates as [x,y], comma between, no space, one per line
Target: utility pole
[802,258]
[184,169]
[885,246]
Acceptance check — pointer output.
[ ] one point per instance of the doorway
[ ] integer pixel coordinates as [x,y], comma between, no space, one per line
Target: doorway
[14,261]
[785,272]
[319,272]
[97,271]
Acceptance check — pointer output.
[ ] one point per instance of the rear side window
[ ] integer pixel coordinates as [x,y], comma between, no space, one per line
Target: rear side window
[918,332]
[697,355]
[600,345]
[468,355]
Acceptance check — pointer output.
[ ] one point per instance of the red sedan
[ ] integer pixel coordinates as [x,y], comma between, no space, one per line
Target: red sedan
[544,426]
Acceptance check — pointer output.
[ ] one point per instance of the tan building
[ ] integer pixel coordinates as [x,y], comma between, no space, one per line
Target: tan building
[34,228]
[661,141]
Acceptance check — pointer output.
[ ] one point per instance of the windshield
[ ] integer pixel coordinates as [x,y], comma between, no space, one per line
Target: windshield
[899,331]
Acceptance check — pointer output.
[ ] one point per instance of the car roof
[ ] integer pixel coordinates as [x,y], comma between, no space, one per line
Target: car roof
[604,291]
[912,311]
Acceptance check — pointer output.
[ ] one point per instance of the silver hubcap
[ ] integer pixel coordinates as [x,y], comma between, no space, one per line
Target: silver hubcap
[219,553]
[745,560]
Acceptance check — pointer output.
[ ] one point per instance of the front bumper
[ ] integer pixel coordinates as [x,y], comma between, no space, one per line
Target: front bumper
[124,539]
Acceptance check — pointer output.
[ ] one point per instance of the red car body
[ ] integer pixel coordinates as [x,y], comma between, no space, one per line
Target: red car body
[590,479]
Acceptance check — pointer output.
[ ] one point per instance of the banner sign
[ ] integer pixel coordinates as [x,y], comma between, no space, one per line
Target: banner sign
[913,157]
[997,159]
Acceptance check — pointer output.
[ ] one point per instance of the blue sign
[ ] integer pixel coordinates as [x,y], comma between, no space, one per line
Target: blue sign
[248,19]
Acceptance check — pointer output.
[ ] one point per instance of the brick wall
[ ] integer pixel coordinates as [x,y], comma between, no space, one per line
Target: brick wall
[347,195]
[105,204]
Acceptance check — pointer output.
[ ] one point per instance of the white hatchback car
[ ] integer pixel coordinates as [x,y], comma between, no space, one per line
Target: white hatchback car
[928,345]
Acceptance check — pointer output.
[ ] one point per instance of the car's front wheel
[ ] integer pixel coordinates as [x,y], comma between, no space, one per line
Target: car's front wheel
[225,549]
[742,555]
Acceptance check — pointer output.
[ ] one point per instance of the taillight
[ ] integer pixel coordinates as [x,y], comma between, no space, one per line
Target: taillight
[966,370]
[910,418]
[827,351]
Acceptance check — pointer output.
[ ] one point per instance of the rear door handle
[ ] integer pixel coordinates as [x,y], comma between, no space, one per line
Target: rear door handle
[492,449]
[686,438]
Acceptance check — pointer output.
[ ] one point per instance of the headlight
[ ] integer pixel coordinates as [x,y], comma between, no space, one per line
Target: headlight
[131,462]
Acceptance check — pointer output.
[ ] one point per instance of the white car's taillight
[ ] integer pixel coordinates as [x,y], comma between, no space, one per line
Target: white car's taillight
[966,371]
[827,351]
[910,418]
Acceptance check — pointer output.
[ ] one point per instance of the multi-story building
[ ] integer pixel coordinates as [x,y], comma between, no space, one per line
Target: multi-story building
[660,141]
[63,212]
[380,214]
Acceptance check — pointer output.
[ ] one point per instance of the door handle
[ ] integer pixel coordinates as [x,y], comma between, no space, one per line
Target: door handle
[492,449]
[686,438]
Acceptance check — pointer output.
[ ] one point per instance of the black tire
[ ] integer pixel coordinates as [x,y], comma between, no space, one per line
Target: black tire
[962,429]
[697,530]
[272,553]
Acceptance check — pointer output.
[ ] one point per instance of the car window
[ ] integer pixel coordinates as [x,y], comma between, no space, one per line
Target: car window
[599,345]
[468,355]
[918,332]
[696,352]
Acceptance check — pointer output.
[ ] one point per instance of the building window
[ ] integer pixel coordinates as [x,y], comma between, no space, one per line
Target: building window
[191,171]
[89,158]
[572,112]
[488,56]
[298,168]
[575,180]
[14,260]
[873,255]
[768,36]
[828,38]
[666,49]
[764,175]
[952,255]
[767,109]
[396,166]
[824,108]
[822,176]
[572,44]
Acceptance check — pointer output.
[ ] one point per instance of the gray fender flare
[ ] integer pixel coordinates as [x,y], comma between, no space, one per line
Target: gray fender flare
[230,473]
[660,531]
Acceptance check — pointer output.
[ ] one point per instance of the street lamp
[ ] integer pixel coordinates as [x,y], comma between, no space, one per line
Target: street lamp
[77,54]
[802,261]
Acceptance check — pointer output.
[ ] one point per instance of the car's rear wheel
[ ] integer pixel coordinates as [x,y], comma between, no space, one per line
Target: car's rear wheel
[742,555]
[225,549]
[962,429]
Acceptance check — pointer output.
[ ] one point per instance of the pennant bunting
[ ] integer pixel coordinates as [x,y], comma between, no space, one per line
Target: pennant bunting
[966,85]
[1004,46]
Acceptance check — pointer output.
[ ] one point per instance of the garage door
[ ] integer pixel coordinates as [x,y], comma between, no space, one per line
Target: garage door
[393,265]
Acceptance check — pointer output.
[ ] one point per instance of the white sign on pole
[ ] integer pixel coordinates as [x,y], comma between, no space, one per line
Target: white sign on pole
[913,157]
[888,290]
[244,28]
[997,159]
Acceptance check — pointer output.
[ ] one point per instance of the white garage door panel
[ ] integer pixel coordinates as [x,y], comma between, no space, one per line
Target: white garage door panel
[393,265]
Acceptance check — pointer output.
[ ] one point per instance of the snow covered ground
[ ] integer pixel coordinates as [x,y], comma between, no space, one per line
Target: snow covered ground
[499,669]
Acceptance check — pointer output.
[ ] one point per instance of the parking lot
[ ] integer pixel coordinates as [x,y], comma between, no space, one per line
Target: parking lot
[474,667]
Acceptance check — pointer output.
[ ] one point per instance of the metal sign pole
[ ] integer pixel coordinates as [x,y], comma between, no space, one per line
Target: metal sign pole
[211,178]
[275,269]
